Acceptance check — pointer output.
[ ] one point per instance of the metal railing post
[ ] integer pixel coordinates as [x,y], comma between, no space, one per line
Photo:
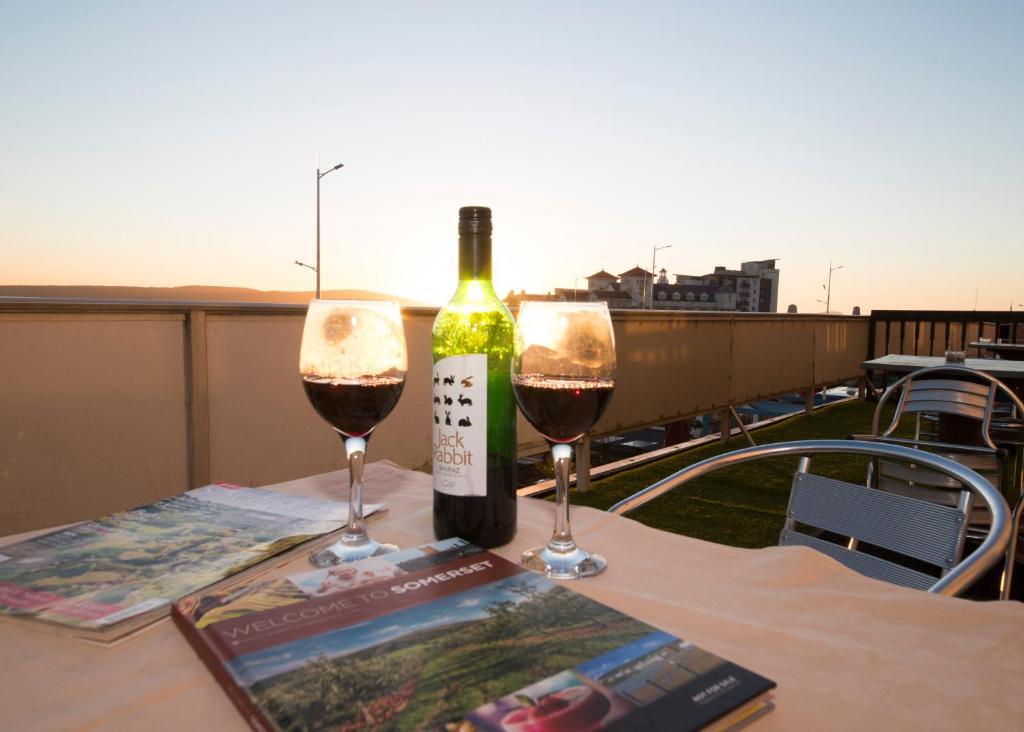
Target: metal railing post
[583,465]
[197,398]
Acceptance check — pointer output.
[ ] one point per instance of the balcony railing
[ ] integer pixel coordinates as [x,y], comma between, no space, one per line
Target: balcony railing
[106,405]
[933,332]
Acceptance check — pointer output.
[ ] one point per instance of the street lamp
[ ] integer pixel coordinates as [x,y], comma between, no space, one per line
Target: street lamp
[316,269]
[654,255]
[828,290]
[576,284]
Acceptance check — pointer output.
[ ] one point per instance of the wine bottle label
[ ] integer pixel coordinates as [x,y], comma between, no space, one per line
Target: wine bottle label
[460,425]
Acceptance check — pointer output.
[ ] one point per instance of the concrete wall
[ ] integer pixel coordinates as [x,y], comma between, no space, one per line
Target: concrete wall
[92,415]
[108,406]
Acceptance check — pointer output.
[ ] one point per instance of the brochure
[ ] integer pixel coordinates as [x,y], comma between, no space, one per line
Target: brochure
[103,579]
[449,637]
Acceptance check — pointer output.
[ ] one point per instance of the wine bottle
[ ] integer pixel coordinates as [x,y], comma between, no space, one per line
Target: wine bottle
[474,425]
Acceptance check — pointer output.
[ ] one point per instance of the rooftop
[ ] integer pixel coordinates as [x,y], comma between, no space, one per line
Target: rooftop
[636,272]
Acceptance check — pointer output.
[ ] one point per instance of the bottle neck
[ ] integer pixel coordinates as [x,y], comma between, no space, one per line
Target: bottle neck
[474,256]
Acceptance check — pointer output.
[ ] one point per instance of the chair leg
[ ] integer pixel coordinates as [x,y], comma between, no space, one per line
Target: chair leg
[871,392]
[1011,551]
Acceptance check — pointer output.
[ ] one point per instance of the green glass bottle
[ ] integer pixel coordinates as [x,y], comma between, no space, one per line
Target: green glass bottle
[474,425]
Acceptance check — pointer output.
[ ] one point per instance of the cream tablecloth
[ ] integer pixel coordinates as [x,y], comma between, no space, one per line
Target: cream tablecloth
[847,652]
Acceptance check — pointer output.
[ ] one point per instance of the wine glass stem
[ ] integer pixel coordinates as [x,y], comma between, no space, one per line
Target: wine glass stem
[355,531]
[561,540]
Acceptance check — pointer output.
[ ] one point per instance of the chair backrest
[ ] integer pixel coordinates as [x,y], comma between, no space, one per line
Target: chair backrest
[946,390]
[910,527]
[918,482]
[928,485]
[948,396]
[822,507]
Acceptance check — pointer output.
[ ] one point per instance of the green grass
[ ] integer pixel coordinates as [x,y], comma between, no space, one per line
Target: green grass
[744,505]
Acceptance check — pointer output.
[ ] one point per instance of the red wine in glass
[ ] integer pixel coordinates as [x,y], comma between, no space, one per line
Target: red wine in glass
[562,408]
[353,406]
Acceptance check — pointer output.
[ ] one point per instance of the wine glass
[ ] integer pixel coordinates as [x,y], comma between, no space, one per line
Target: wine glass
[563,374]
[353,363]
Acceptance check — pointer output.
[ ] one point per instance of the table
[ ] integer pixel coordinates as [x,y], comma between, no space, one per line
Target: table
[1009,372]
[1009,351]
[1004,370]
[847,652]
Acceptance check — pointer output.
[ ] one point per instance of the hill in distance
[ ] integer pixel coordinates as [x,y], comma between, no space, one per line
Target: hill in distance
[200,293]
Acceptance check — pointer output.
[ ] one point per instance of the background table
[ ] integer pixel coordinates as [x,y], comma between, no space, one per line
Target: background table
[1009,372]
[1009,351]
[847,652]
[1004,370]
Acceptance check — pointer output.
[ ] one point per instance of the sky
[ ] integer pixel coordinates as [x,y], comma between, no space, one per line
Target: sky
[163,144]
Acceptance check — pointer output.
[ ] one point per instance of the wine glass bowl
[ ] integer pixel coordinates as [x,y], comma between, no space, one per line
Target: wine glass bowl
[563,375]
[353,363]
[563,409]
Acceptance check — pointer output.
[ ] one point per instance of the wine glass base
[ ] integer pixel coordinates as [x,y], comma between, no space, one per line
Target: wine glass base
[574,564]
[340,552]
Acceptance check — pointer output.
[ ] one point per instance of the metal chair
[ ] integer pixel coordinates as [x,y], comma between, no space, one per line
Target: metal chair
[948,391]
[924,531]
[993,449]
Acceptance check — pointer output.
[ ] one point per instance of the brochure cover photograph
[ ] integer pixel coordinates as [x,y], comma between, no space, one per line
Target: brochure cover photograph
[452,638]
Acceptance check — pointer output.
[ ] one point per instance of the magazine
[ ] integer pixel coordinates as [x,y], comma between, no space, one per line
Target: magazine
[103,579]
[449,637]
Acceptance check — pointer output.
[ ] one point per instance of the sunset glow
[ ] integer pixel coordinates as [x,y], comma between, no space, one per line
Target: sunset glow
[169,145]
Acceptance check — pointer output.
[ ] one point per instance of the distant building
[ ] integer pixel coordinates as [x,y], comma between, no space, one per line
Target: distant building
[754,287]
[637,282]
[694,297]
[513,300]
[614,298]
[601,280]
[630,289]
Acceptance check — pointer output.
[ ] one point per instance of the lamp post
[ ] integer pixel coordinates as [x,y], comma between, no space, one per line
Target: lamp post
[654,255]
[828,290]
[316,269]
[576,284]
